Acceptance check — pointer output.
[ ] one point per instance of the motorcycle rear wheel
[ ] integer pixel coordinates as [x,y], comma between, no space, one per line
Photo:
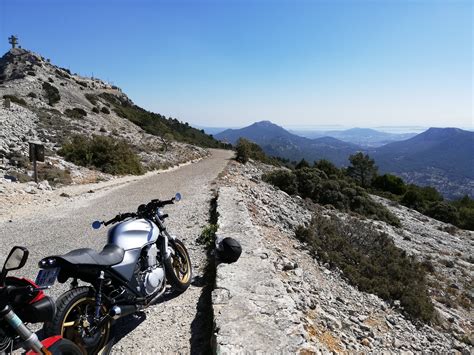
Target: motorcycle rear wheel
[73,318]
[178,267]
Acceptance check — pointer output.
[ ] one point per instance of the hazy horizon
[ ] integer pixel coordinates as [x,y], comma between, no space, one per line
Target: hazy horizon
[324,128]
[308,63]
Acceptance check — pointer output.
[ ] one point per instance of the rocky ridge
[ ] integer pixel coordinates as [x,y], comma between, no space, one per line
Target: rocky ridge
[75,105]
[327,314]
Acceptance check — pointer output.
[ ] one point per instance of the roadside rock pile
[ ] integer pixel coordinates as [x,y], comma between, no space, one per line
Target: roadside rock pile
[325,313]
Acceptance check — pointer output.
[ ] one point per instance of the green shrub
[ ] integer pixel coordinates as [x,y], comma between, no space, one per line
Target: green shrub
[208,235]
[302,164]
[82,83]
[76,112]
[107,154]
[329,168]
[443,211]
[243,151]
[390,183]
[52,93]
[105,110]
[340,193]
[285,180]
[91,98]
[413,199]
[95,110]
[309,181]
[17,100]
[32,95]
[54,175]
[246,150]
[371,261]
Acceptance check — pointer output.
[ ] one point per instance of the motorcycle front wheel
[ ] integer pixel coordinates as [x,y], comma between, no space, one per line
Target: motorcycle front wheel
[178,266]
[74,320]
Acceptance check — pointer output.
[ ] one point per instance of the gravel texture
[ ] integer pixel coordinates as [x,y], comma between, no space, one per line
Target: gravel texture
[165,327]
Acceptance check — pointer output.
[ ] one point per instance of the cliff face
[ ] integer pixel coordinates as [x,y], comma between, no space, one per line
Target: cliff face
[280,294]
[50,104]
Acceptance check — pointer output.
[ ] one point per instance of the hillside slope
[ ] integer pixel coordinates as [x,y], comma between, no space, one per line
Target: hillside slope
[441,157]
[50,104]
[288,300]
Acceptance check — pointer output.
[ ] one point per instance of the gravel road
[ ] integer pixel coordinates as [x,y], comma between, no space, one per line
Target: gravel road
[165,327]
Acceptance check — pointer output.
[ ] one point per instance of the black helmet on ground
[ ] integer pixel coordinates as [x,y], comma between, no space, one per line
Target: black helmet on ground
[228,250]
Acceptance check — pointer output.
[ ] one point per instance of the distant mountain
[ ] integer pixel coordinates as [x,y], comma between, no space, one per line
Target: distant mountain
[277,141]
[364,137]
[440,157]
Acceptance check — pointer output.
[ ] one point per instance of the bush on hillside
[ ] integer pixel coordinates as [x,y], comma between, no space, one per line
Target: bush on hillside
[52,93]
[342,194]
[242,150]
[76,112]
[285,180]
[246,150]
[309,182]
[302,164]
[329,168]
[443,211]
[17,100]
[389,183]
[91,98]
[107,154]
[54,175]
[371,261]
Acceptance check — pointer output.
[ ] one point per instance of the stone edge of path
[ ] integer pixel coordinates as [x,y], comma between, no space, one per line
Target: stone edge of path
[252,311]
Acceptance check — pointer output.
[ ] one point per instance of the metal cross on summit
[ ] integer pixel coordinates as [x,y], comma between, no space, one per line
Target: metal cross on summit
[13,40]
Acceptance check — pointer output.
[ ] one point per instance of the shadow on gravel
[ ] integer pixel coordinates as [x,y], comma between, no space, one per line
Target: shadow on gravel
[125,325]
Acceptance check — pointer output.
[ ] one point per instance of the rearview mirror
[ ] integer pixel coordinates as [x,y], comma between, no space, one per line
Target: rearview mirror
[177,197]
[16,259]
[96,224]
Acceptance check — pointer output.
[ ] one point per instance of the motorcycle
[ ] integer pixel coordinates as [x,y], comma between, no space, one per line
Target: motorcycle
[21,300]
[128,275]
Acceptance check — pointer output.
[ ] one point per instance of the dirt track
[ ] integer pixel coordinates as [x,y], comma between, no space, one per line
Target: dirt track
[165,327]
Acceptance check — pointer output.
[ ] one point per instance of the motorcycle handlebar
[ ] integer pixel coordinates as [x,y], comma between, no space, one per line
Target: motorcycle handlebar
[142,209]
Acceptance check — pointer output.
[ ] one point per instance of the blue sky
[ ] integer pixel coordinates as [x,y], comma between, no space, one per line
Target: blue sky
[294,62]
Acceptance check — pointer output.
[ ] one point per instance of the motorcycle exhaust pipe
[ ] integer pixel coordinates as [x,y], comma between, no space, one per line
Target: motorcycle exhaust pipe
[117,312]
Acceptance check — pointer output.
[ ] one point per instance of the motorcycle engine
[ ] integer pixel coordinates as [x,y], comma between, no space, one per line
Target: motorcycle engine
[151,276]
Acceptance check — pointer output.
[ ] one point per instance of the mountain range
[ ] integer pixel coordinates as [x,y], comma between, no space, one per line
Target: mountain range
[364,137]
[439,157]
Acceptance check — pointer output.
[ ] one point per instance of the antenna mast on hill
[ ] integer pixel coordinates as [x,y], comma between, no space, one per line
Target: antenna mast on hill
[13,40]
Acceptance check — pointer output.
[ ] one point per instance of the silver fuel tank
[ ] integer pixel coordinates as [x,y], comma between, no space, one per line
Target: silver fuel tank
[133,234]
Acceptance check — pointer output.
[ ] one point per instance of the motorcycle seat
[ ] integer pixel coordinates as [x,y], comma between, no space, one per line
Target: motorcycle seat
[110,255]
